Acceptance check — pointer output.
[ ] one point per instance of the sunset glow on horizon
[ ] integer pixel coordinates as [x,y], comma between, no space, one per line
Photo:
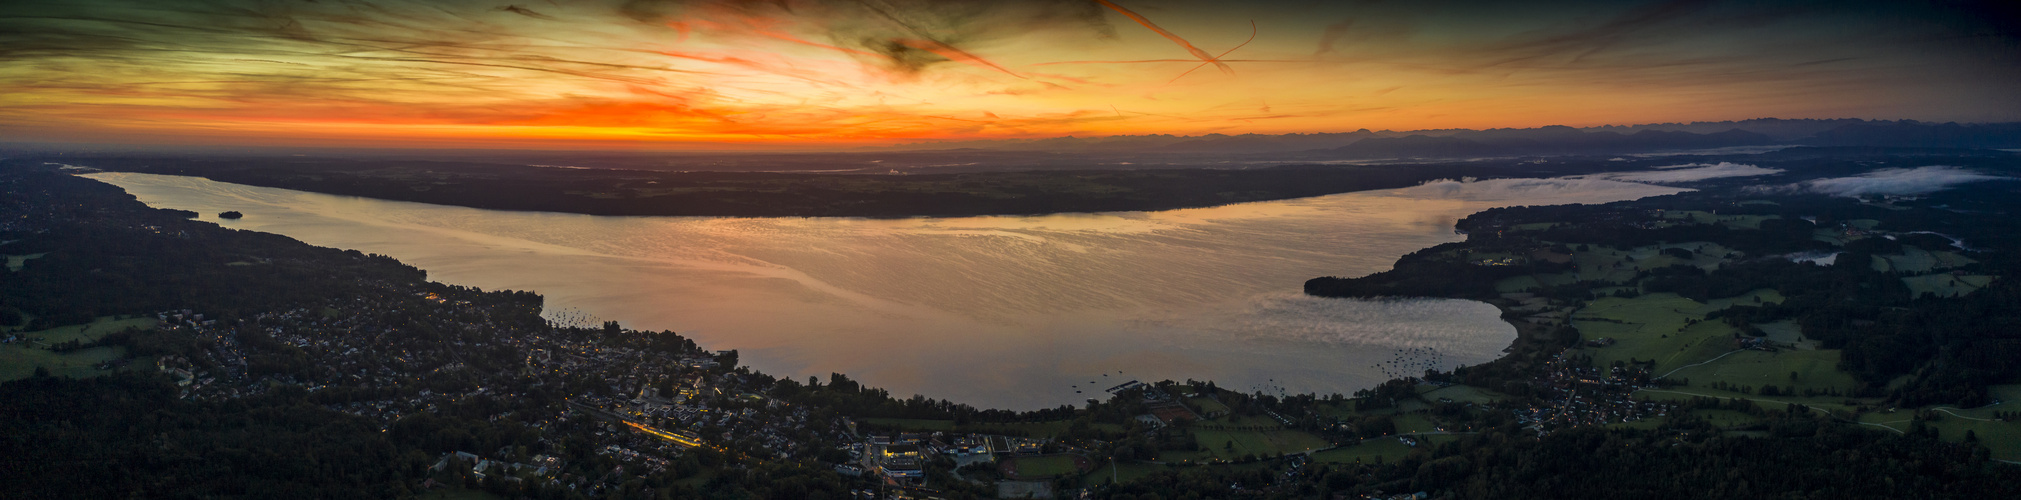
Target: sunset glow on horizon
[832,74]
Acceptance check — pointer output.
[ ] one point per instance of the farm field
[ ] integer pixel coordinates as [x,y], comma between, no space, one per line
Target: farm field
[1656,326]
[1229,445]
[1813,370]
[18,360]
[1463,394]
[1730,221]
[1835,404]
[1207,406]
[89,331]
[2003,439]
[1787,332]
[16,262]
[1917,260]
[1386,449]
[1946,285]
[1413,424]
[1607,265]
[1124,472]
[1660,326]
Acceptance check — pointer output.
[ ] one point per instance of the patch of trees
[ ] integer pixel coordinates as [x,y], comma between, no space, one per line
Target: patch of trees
[128,435]
[114,255]
[1427,273]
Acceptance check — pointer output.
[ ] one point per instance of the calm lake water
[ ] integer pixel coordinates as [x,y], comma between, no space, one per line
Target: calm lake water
[1011,312]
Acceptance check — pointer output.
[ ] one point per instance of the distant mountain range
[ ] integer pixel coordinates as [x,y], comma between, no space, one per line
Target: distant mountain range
[1541,141]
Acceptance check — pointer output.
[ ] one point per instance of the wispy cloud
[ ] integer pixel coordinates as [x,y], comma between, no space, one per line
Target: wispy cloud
[1690,173]
[1896,181]
[850,70]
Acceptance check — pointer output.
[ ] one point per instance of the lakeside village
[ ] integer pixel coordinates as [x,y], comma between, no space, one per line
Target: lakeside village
[652,401]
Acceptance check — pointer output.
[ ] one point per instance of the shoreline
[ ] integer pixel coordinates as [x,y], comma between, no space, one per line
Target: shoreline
[871,196]
[1478,352]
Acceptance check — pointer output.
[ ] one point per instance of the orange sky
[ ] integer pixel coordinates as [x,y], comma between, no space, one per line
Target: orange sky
[831,74]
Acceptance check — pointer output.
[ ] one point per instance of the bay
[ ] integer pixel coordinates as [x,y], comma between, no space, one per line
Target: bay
[1016,312]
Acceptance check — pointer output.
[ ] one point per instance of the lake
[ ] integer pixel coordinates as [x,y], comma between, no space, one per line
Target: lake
[1018,312]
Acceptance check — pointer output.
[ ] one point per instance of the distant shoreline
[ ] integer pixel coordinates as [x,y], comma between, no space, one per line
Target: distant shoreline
[768,194]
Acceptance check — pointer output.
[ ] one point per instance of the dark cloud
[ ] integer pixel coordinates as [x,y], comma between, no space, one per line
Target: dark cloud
[889,32]
[526,12]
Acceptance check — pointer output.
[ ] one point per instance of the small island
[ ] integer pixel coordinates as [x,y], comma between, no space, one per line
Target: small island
[230,214]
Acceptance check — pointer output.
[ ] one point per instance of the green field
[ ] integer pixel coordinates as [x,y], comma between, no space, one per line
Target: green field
[19,360]
[1946,285]
[1753,298]
[1207,406]
[1216,443]
[15,262]
[2002,438]
[1413,423]
[1834,404]
[1517,284]
[1046,466]
[1345,409]
[1600,264]
[2010,392]
[1731,221]
[1464,394]
[1787,332]
[1386,449]
[1816,370]
[1655,326]
[1917,260]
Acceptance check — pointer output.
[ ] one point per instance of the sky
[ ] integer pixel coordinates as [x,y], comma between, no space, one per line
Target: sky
[799,74]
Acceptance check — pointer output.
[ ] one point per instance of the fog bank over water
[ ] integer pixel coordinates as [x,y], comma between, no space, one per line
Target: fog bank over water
[1010,311]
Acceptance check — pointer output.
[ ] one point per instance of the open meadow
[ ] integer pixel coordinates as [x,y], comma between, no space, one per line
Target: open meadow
[19,359]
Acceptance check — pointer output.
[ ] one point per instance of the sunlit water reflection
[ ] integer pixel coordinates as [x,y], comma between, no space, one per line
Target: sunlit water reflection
[1017,312]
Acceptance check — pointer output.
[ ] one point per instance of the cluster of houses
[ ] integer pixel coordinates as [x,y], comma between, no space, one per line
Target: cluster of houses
[1582,395]
[366,341]
[542,466]
[900,457]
